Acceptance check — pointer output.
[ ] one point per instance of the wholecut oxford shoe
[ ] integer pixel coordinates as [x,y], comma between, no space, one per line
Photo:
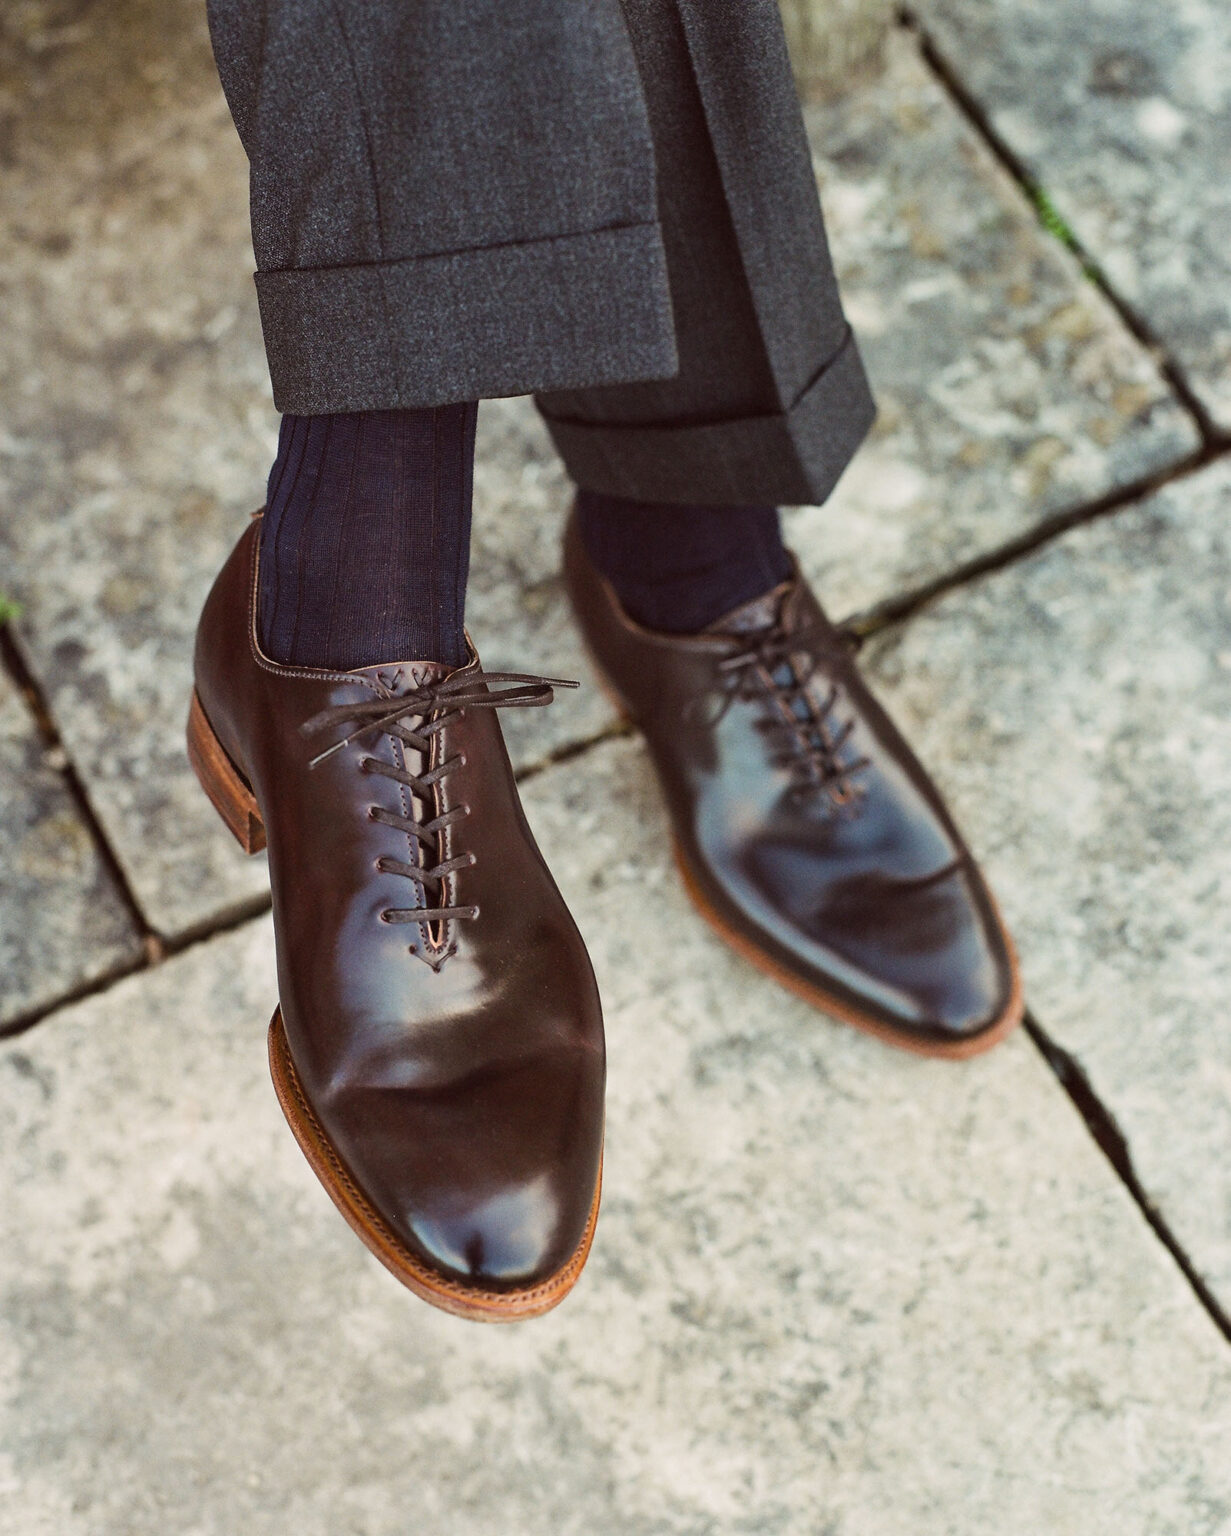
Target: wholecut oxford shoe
[438,1044]
[805,829]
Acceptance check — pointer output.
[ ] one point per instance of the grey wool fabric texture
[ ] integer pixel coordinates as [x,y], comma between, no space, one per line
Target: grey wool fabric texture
[609,205]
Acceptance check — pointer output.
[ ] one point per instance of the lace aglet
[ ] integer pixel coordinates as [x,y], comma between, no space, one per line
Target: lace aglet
[328,752]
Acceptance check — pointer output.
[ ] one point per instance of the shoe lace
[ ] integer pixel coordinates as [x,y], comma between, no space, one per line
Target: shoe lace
[812,738]
[433,705]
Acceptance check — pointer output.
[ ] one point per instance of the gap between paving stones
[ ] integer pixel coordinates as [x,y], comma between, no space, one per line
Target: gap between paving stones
[13,662]
[893,610]
[1113,1143]
[1036,193]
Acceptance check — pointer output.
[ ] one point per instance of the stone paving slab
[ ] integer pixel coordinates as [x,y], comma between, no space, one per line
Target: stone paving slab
[1007,387]
[138,426]
[835,1288]
[1121,110]
[1077,708]
[62,920]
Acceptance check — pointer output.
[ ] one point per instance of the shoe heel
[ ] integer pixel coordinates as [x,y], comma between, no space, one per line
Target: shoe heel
[222,782]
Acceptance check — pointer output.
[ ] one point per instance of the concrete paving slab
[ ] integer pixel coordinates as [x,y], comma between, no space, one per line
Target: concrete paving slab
[1121,109]
[835,1289]
[139,427]
[1077,708]
[137,424]
[62,921]
[1007,387]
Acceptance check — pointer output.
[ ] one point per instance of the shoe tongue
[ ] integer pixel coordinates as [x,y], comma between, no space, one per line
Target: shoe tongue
[759,613]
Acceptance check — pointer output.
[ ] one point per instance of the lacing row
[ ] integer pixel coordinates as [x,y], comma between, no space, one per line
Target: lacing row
[436,704]
[789,659]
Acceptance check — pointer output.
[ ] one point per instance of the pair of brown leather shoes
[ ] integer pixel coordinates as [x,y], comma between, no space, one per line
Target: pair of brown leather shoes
[438,1045]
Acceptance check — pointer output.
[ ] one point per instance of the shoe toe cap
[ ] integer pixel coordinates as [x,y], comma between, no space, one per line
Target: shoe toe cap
[924,956]
[948,960]
[517,1235]
[491,1184]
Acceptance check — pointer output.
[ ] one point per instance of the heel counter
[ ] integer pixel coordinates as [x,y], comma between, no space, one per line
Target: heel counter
[222,650]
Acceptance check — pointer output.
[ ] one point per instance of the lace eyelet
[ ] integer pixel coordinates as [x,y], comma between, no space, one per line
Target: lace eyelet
[384,916]
[371,813]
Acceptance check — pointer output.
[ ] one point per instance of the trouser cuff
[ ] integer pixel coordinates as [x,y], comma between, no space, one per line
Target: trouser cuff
[568,312]
[791,457]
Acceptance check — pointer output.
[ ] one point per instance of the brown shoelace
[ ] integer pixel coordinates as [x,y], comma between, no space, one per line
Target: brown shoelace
[812,746]
[435,705]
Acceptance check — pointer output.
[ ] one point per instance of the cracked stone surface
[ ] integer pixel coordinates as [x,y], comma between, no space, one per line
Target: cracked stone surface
[1007,387]
[62,921]
[1077,708]
[1121,110]
[138,425]
[834,1288]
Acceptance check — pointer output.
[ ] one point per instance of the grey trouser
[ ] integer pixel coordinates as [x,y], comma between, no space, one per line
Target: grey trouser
[606,203]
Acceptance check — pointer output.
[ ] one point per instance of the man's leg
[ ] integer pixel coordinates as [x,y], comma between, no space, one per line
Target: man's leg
[806,830]
[449,201]
[770,399]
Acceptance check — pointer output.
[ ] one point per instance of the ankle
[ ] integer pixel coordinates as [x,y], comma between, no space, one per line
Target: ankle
[366,537]
[678,568]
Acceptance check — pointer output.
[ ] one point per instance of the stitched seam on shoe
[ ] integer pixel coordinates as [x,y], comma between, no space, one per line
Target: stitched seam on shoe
[313,674]
[437,753]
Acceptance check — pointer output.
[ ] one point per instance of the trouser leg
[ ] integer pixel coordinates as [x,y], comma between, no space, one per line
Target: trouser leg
[770,400]
[450,199]
[458,199]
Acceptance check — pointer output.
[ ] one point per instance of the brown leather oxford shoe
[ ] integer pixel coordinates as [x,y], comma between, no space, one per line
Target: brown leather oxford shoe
[438,1047]
[805,829]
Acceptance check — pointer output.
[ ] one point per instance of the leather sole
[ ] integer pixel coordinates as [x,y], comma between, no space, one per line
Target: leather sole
[231,796]
[958,1050]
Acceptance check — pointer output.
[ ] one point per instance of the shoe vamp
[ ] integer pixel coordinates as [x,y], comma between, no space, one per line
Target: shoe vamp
[888,832]
[875,889]
[362,1011]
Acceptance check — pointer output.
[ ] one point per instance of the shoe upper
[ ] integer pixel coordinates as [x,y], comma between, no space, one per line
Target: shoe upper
[801,816]
[456,1061]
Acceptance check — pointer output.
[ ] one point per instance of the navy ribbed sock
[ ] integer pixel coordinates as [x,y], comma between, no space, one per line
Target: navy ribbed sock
[365,543]
[678,568]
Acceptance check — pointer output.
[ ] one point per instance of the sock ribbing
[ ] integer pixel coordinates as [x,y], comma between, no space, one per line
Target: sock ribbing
[365,543]
[679,568]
